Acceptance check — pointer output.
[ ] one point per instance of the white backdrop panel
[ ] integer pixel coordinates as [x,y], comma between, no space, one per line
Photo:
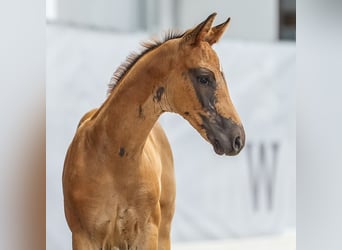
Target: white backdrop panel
[217,197]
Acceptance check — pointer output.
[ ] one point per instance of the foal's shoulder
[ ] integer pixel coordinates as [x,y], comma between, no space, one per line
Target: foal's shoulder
[160,140]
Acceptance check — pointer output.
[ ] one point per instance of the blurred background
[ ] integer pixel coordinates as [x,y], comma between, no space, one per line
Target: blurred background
[242,202]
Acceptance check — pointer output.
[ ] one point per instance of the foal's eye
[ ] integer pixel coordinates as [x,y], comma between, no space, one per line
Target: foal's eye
[203,80]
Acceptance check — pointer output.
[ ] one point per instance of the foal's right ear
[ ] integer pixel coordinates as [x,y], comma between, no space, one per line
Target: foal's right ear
[199,33]
[216,32]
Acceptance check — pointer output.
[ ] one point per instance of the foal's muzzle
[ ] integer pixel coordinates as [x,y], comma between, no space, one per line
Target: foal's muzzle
[226,136]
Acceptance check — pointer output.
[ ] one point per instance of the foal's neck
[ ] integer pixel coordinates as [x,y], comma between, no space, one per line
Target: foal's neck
[130,112]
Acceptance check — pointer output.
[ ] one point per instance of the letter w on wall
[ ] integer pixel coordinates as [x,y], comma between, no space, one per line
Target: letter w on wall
[262,172]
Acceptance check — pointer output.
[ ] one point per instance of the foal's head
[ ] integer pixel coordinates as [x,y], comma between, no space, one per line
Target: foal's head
[197,88]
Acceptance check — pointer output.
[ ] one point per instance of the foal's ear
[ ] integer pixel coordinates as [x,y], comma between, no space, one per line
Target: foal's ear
[216,32]
[199,33]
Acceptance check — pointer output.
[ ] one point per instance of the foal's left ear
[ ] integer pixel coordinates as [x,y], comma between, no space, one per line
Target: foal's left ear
[199,33]
[216,32]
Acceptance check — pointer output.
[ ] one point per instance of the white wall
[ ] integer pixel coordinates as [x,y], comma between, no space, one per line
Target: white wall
[51,9]
[107,14]
[250,19]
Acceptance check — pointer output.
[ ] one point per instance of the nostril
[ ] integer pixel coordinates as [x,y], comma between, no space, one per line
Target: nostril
[237,144]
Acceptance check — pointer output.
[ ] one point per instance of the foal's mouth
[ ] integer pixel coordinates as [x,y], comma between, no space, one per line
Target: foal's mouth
[217,146]
[226,136]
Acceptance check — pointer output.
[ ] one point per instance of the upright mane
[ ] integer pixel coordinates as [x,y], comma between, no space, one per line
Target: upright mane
[132,58]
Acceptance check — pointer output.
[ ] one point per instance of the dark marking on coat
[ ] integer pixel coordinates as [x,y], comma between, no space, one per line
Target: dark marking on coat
[204,83]
[136,227]
[159,94]
[186,113]
[122,152]
[141,112]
